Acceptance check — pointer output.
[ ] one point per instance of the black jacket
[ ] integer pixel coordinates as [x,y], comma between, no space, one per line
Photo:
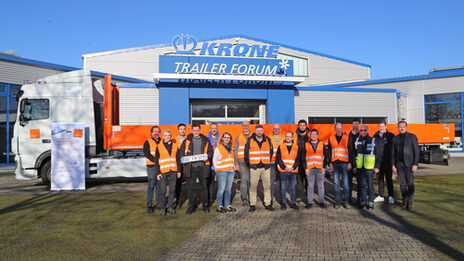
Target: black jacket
[187,167]
[302,138]
[364,149]
[410,150]
[351,140]
[387,139]
[279,160]
[247,151]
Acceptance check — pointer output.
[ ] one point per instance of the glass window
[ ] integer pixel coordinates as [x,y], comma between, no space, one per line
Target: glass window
[445,113]
[36,109]
[346,120]
[443,97]
[320,120]
[372,120]
[243,110]
[208,110]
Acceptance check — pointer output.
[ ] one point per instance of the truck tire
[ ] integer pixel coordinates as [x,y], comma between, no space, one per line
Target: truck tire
[45,173]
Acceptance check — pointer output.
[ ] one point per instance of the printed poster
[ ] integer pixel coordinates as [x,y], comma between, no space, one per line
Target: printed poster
[68,156]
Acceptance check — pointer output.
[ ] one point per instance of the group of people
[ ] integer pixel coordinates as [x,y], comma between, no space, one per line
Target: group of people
[298,159]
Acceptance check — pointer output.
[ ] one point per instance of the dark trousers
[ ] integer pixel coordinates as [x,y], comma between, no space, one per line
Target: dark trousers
[200,173]
[366,176]
[300,181]
[178,189]
[340,172]
[167,179]
[350,185]
[406,180]
[211,185]
[385,171]
[290,179]
[151,176]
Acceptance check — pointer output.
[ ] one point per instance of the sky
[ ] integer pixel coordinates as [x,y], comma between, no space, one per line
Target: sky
[397,38]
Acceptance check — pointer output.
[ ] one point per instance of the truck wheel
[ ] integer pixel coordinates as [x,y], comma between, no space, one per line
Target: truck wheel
[45,173]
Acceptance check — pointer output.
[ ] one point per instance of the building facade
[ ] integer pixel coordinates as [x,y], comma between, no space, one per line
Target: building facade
[324,89]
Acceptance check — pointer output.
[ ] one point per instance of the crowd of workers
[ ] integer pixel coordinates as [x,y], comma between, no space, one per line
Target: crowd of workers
[299,160]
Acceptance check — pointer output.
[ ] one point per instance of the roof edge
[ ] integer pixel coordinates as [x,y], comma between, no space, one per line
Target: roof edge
[435,75]
[226,37]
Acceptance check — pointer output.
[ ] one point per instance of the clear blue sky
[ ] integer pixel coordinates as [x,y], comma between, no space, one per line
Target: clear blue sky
[397,38]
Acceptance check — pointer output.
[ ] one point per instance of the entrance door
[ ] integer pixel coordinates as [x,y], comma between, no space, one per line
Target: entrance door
[227,111]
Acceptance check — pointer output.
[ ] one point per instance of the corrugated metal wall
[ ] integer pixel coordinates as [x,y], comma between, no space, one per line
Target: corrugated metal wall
[16,73]
[139,106]
[344,104]
[416,90]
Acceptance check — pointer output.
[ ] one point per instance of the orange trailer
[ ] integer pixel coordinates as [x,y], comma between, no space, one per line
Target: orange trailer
[130,137]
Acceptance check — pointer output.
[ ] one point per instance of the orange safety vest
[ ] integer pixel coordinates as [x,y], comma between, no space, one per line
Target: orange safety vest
[339,150]
[314,159]
[241,146]
[257,154]
[153,147]
[167,162]
[178,142]
[187,145]
[288,158]
[226,163]
[275,145]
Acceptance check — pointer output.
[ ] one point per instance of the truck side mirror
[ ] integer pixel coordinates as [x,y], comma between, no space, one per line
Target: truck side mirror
[22,109]
[22,105]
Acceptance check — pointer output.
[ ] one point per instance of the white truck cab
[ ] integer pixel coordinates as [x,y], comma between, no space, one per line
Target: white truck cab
[62,98]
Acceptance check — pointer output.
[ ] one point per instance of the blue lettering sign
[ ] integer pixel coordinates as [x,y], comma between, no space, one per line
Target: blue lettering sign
[187,44]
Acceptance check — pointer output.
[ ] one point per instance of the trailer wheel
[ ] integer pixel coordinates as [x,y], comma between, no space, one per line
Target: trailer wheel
[45,173]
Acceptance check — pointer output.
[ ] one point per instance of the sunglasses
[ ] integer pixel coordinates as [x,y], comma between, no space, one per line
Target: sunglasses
[364,130]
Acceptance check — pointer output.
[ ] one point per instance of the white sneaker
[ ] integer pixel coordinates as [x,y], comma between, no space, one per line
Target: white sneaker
[379,199]
[391,200]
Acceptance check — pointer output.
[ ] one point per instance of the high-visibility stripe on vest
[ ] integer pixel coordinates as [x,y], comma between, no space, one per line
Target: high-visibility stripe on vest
[226,163]
[314,159]
[288,158]
[275,145]
[339,150]
[367,158]
[153,146]
[241,146]
[167,162]
[187,145]
[257,154]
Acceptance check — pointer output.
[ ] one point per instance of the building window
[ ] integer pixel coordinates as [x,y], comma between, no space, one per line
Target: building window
[345,120]
[227,111]
[446,108]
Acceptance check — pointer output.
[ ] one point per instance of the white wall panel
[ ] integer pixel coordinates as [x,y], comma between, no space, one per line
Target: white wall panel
[444,85]
[139,106]
[344,104]
[16,73]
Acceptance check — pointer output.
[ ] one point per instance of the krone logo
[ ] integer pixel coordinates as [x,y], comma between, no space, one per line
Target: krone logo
[184,43]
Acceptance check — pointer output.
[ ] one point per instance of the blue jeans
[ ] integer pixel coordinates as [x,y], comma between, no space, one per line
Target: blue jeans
[340,169]
[224,180]
[366,175]
[291,178]
[151,175]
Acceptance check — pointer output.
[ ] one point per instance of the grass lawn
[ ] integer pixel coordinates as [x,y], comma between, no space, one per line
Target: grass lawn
[438,219]
[89,226]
